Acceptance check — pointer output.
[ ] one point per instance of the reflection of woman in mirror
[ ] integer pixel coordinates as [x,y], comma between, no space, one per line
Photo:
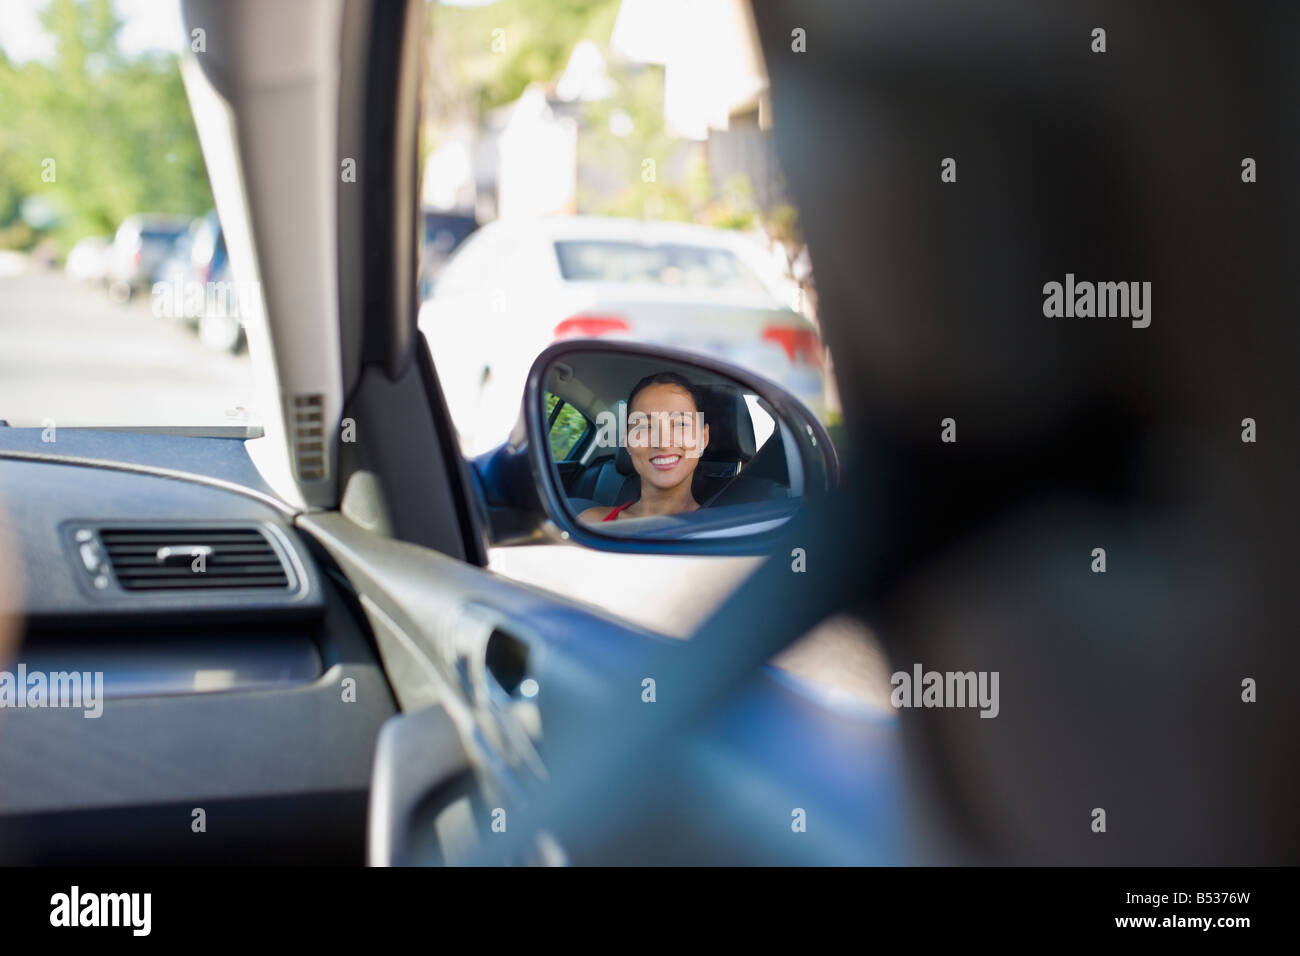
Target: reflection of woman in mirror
[665,438]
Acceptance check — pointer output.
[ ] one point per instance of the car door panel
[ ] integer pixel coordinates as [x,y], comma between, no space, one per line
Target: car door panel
[433,618]
[437,621]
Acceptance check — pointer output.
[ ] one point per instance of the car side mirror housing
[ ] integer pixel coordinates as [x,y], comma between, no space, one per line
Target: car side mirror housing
[640,448]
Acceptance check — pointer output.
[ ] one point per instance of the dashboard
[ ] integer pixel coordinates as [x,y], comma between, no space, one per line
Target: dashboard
[238,689]
[250,662]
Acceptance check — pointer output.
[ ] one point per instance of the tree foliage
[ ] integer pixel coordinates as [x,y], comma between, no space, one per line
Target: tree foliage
[118,129]
[484,57]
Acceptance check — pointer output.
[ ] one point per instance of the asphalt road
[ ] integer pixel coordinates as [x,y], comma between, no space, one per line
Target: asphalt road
[70,355]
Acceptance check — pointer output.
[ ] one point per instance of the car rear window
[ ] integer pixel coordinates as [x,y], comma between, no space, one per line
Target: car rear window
[161,235]
[566,425]
[662,264]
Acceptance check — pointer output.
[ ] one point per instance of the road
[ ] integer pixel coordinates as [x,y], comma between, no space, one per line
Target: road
[71,356]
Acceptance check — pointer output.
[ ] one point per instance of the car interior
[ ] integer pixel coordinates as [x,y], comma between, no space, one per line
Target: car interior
[303,656]
[306,658]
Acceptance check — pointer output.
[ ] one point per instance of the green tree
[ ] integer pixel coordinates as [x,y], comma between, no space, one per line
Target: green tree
[483,57]
[118,129]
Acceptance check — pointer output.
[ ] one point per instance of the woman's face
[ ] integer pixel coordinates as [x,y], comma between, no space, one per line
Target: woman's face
[665,436]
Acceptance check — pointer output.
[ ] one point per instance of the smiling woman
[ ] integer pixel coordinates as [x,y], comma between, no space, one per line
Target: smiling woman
[665,443]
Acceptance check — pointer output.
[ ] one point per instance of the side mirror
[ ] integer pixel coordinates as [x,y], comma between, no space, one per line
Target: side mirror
[641,448]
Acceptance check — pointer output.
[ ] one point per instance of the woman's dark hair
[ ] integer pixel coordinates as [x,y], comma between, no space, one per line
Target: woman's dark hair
[667,378]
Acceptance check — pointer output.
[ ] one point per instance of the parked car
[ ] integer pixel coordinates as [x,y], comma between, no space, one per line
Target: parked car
[88,259]
[176,267]
[203,293]
[517,285]
[208,259]
[220,325]
[142,243]
[443,234]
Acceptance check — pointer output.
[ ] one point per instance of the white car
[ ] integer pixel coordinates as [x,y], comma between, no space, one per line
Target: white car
[88,260]
[533,281]
[142,244]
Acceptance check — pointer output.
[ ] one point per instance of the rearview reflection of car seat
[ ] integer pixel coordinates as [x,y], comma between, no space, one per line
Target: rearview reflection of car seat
[722,477]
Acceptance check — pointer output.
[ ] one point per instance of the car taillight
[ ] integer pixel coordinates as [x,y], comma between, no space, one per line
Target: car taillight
[796,342]
[590,326]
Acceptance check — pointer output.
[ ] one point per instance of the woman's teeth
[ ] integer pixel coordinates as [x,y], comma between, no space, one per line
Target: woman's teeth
[665,461]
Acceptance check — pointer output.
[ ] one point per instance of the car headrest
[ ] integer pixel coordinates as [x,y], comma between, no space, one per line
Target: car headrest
[623,461]
[731,428]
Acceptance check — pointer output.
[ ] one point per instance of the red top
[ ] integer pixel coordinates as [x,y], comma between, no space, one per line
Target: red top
[614,514]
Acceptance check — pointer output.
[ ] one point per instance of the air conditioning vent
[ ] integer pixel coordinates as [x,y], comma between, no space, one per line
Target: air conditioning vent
[309,437]
[176,559]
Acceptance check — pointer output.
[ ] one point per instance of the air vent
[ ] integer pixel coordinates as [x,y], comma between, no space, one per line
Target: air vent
[174,559]
[308,421]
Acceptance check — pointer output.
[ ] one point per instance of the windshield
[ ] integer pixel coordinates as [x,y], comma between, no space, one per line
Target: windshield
[617,162]
[663,264]
[98,141]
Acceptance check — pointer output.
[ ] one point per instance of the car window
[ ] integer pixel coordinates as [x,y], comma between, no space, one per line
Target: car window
[566,427]
[98,140]
[624,185]
[761,418]
[663,264]
[154,234]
